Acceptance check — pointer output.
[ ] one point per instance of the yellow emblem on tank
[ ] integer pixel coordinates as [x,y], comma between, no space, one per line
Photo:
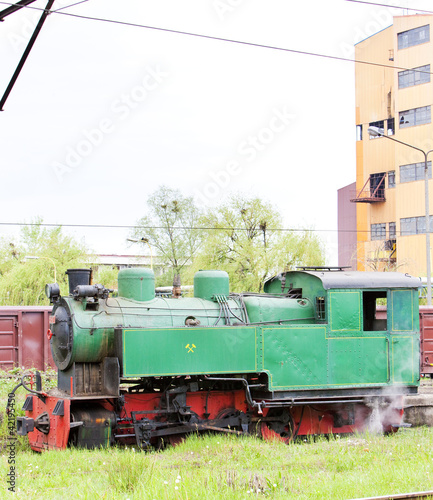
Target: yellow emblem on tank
[190,347]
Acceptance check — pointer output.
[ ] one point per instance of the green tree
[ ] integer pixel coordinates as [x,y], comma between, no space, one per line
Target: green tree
[170,229]
[107,276]
[40,256]
[248,243]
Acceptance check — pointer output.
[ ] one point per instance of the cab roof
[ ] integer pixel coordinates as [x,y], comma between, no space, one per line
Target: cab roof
[355,279]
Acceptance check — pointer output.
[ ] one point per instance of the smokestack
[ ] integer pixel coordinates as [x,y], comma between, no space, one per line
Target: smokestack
[177,291]
[78,277]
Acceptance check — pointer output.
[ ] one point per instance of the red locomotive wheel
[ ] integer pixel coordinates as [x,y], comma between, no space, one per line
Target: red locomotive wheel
[279,426]
[176,439]
[228,413]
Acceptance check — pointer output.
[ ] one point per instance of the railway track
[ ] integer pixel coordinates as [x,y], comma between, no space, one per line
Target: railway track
[402,496]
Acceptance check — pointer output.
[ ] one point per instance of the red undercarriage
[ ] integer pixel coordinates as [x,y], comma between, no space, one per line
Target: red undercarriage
[282,423]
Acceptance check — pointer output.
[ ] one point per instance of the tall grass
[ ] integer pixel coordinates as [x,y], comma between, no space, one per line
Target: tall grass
[214,467]
[227,467]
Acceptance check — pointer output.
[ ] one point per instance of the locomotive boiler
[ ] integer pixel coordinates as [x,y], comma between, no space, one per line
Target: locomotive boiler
[308,356]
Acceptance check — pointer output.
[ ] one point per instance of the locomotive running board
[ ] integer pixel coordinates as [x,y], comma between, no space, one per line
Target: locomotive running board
[398,426]
[299,402]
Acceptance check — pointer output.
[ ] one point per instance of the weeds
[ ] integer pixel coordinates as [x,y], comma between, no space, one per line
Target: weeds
[226,467]
[130,472]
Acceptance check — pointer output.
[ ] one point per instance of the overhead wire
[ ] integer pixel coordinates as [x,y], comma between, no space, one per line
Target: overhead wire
[69,6]
[181,228]
[121,226]
[390,6]
[60,11]
[217,38]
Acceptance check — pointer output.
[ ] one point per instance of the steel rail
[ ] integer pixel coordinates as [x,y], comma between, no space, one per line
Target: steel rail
[401,496]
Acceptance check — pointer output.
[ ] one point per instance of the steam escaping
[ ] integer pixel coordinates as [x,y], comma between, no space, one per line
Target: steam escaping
[374,423]
[386,414]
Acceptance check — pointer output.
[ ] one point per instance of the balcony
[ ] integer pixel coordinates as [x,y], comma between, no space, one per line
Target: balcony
[373,190]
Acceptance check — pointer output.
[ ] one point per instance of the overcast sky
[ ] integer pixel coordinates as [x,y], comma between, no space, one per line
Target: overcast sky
[104,113]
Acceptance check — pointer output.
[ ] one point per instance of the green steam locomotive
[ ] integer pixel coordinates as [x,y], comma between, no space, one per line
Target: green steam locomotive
[308,356]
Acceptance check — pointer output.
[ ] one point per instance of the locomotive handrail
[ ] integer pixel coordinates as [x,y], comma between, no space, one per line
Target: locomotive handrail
[277,403]
[281,321]
[388,363]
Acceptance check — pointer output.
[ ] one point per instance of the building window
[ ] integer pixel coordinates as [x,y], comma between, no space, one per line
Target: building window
[377,185]
[380,125]
[378,231]
[415,172]
[359,132]
[417,116]
[391,126]
[391,178]
[408,226]
[414,225]
[413,37]
[392,232]
[415,76]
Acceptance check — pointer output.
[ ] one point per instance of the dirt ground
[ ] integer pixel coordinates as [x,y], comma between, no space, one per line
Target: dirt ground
[426,386]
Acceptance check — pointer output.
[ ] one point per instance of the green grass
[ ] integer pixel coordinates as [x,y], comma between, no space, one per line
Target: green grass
[229,467]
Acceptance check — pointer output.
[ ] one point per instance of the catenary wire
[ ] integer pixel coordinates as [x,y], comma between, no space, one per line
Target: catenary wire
[221,39]
[69,6]
[121,226]
[113,21]
[391,6]
[182,228]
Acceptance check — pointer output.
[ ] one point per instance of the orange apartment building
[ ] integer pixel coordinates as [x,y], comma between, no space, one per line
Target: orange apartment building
[395,95]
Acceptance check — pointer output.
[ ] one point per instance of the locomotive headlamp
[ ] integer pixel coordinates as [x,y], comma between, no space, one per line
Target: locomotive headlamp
[52,291]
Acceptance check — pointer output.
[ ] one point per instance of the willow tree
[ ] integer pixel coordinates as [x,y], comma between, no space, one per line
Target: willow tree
[246,237]
[40,256]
